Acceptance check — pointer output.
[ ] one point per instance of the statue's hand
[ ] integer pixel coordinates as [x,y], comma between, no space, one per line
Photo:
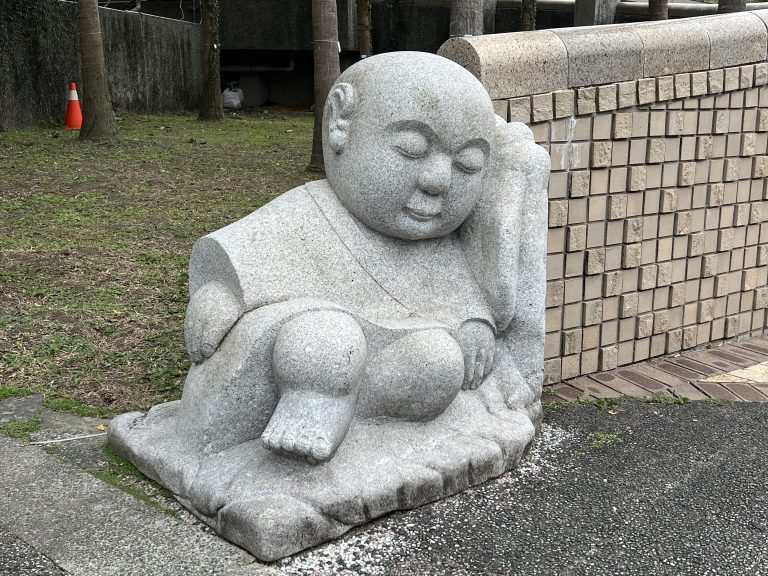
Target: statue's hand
[211,313]
[478,345]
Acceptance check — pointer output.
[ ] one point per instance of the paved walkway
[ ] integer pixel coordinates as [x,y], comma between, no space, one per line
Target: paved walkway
[638,488]
[736,371]
[57,519]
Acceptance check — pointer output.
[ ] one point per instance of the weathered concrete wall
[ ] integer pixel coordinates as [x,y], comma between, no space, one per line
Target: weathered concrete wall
[153,64]
[279,24]
[423,25]
[658,133]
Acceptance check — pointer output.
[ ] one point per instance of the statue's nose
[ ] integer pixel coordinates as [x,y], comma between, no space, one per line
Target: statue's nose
[436,177]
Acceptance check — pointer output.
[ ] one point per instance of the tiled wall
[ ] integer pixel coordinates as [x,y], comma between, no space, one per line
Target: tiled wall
[657,240]
[657,236]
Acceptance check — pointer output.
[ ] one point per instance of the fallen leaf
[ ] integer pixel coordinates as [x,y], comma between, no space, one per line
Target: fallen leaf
[101,427]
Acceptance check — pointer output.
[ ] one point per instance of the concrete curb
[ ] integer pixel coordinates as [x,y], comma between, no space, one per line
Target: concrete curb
[87,527]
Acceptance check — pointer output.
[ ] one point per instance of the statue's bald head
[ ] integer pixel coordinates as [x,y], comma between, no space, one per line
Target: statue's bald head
[404,84]
[421,105]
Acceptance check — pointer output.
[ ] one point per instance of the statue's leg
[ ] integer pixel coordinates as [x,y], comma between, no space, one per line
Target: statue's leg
[318,363]
[416,377]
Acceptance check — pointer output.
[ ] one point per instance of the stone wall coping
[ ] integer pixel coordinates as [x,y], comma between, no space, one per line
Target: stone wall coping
[525,63]
[499,4]
[676,10]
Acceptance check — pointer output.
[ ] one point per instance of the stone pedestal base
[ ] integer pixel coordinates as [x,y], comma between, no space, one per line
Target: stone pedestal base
[274,506]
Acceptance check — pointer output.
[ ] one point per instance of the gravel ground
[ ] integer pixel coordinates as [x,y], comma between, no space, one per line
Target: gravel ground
[638,489]
[19,559]
[641,489]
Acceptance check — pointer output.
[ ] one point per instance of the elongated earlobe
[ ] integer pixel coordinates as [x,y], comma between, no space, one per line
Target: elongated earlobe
[340,106]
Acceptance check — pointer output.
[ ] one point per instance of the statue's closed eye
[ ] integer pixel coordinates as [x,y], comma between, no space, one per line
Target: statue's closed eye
[470,160]
[411,144]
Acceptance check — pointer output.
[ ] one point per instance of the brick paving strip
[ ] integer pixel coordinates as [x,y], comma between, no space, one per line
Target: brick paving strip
[735,371]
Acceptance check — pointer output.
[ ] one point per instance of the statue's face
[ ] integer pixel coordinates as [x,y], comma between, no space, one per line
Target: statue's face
[414,167]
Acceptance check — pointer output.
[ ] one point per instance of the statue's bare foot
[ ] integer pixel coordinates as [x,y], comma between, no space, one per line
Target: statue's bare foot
[308,425]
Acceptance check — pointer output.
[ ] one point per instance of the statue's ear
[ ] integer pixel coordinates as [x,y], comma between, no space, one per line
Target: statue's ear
[340,106]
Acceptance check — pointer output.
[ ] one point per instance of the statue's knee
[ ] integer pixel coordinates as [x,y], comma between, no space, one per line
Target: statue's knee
[323,350]
[440,355]
[416,377]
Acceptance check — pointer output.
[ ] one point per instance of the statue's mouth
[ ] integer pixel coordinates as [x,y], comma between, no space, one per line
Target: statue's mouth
[421,215]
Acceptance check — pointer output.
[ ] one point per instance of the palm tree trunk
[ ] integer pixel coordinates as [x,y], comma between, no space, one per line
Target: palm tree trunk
[98,119]
[528,15]
[325,37]
[210,101]
[658,9]
[364,27]
[725,6]
[489,16]
[466,18]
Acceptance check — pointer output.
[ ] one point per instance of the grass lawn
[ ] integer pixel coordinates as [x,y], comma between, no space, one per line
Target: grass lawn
[95,241]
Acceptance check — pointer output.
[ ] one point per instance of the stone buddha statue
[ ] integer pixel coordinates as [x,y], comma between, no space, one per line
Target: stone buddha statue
[368,342]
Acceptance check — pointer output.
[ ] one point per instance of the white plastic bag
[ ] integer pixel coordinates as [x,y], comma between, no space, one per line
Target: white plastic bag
[232,99]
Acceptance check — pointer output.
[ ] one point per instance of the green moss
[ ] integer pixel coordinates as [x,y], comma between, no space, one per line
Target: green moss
[601,439]
[717,401]
[118,481]
[21,429]
[122,474]
[608,403]
[559,405]
[61,404]
[13,392]
[667,399]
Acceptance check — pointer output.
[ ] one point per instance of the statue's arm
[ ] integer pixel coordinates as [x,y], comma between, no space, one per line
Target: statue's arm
[215,292]
[504,238]
[525,332]
[213,310]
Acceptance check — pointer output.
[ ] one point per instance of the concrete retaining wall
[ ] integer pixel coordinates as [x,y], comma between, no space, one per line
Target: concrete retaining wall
[658,133]
[153,64]
[423,25]
[279,24]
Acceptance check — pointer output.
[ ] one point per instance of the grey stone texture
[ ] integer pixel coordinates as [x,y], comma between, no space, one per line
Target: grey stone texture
[512,64]
[517,64]
[369,342]
[736,38]
[601,55]
[673,46]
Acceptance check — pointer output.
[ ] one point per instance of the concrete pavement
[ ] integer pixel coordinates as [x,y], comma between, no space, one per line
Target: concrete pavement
[632,487]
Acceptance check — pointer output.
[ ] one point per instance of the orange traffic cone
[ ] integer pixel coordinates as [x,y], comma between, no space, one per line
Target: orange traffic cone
[74,118]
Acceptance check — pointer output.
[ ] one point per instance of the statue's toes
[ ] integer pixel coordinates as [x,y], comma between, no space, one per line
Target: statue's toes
[266,439]
[272,437]
[289,441]
[304,445]
[322,449]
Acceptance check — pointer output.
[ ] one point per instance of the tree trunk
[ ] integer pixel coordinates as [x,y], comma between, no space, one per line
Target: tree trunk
[489,16]
[210,99]
[528,15]
[725,6]
[98,120]
[325,39]
[658,9]
[466,18]
[364,27]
